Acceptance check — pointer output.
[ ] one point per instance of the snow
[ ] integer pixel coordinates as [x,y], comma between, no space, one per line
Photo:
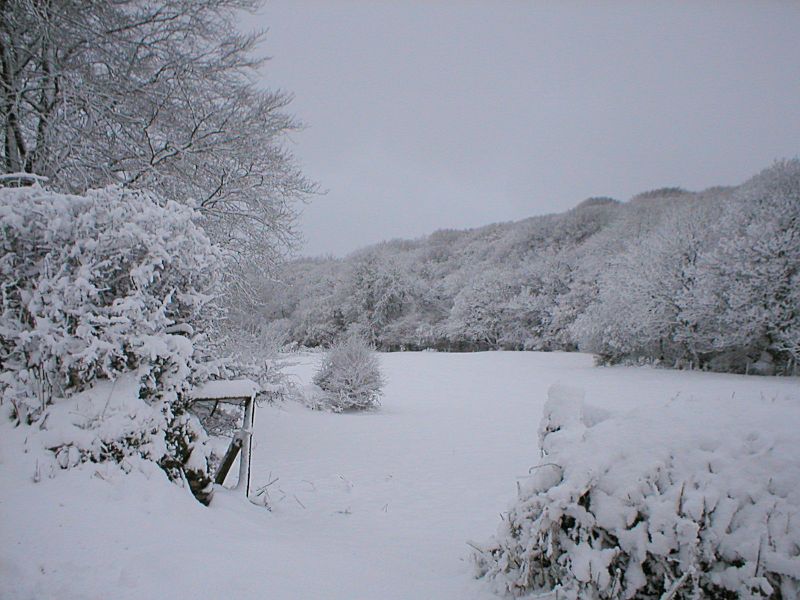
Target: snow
[226,389]
[96,420]
[22,175]
[684,482]
[378,505]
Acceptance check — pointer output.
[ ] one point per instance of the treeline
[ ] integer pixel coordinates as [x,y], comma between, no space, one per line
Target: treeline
[703,280]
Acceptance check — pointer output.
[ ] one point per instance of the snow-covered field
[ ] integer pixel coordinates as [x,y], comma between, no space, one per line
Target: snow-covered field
[378,505]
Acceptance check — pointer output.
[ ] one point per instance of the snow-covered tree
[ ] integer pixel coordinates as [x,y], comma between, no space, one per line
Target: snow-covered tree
[644,306]
[150,95]
[318,316]
[753,287]
[376,295]
[477,317]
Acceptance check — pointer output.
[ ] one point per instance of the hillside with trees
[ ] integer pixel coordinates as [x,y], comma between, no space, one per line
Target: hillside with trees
[705,280]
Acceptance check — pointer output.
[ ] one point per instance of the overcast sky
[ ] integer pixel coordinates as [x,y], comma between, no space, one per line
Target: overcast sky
[429,115]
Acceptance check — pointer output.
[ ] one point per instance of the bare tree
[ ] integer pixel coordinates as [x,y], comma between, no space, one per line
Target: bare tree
[153,94]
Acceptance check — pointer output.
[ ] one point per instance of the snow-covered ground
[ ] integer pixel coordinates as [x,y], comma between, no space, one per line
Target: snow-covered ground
[378,505]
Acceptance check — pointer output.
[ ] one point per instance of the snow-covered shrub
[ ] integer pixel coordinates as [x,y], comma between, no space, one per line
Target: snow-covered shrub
[99,285]
[350,376]
[683,501]
[112,422]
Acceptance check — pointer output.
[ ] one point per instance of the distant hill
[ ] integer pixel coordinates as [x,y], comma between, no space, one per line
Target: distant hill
[655,278]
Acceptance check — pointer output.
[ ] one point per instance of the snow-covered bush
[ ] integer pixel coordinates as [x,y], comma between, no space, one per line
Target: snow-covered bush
[112,422]
[100,285]
[350,376]
[684,501]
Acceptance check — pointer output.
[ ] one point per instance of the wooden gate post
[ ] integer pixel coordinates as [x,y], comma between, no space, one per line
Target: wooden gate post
[234,392]
[246,435]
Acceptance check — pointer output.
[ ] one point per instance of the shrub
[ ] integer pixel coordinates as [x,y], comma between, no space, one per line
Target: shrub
[669,502]
[100,285]
[350,376]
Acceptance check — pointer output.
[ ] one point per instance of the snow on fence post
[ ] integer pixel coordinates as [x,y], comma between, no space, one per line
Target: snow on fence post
[246,435]
[243,392]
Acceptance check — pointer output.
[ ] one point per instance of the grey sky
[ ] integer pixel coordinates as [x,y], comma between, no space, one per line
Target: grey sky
[428,115]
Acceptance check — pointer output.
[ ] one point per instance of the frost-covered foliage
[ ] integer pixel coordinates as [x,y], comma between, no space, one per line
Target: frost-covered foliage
[493,287]
[712,285]
[113,421]
[753,287]
[97,286]
[156,95]
[683,502]
[641,309]
[162,96]
[702,280]
[350,376]
[93,286]
[479,310]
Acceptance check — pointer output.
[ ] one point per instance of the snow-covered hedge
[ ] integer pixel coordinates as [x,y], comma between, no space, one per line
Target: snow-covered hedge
[96,286]
[350,376]
[681,501]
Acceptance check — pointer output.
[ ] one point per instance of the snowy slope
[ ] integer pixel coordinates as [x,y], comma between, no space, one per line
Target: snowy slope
[365,506]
